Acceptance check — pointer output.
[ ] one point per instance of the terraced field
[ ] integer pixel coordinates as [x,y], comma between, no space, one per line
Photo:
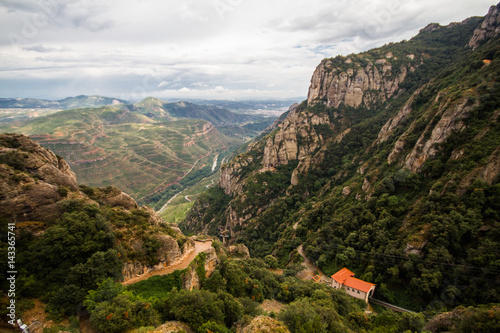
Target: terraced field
[119,146]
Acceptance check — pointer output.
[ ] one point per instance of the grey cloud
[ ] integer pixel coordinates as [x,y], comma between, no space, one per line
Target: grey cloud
[27,6]
[84,14]
[40,48]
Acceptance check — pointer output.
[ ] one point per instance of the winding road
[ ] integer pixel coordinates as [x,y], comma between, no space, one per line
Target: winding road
[181,264]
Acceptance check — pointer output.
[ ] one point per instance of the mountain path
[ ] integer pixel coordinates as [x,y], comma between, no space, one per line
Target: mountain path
[184,262]
[310,269]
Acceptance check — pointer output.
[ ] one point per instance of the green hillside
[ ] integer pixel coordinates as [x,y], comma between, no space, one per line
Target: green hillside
[118,145]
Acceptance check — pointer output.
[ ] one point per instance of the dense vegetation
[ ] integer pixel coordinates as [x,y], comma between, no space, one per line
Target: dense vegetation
[231,297]
[78,251]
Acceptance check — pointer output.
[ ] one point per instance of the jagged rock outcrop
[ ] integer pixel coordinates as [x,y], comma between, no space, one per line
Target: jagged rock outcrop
[284,145]
[489,28]
[34,180]
[190,278]
[452,114]
[36,160]
[398,119]
[119,198]
[133,269]
[168,254]
[230,174]
[352,84]
[262,324]
[239,251]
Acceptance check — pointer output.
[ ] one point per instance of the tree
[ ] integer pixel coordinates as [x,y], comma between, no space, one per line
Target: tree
[195,307]
[271,261]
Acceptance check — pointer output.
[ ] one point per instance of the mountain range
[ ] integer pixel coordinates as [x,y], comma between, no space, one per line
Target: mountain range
[81,101]
[390,167]
[142,148]
[388,170]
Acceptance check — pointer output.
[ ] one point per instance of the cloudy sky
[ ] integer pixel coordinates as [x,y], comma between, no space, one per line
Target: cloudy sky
[213,49]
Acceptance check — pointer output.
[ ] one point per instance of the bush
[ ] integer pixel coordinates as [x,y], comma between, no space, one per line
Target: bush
[271,261]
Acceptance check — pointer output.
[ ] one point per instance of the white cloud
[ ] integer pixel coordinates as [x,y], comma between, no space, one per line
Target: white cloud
[132,47]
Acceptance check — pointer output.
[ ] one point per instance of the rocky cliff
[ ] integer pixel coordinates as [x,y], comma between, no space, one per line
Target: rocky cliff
[33,180]
[488,29]
[357,80]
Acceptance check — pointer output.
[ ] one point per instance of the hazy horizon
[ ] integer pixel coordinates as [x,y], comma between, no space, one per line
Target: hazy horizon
[219,50]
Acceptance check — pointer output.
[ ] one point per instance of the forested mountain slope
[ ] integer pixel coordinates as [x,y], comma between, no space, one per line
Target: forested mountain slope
[390,167]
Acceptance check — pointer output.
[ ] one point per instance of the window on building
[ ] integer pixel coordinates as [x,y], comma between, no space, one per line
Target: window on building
[358,291]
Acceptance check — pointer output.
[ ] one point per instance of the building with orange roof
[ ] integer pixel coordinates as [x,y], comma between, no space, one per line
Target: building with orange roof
[354,287]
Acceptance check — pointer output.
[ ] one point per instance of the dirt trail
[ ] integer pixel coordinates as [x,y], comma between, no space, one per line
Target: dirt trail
[311,269]
[181,264]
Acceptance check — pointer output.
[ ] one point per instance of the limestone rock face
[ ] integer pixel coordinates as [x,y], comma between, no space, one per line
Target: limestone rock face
[190,279]
[230,174]
[451,120]
[169,251]
[34,180]
[398,119]
[355,85]
[489,28]
[211,261]
[239,251]
[284,146]
[133,269]
[38,161]
[119,199]
[264,324]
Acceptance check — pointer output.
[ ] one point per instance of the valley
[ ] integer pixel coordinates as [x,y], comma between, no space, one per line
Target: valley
[371,206]
[144,148]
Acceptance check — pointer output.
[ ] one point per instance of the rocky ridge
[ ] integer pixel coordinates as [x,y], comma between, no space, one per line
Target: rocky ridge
[488,29]
[353,84]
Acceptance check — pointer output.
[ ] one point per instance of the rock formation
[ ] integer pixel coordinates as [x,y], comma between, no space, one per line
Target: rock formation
[264,324]
[352,84]
[34,180]
[239,251]
[489,28]
[190,279]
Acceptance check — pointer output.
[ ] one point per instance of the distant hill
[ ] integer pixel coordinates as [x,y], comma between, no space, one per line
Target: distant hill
[81,101]
[118,145]
[158,109]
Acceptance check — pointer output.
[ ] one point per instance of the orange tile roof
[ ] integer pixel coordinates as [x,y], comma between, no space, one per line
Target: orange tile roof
[341,275]
[358,284]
